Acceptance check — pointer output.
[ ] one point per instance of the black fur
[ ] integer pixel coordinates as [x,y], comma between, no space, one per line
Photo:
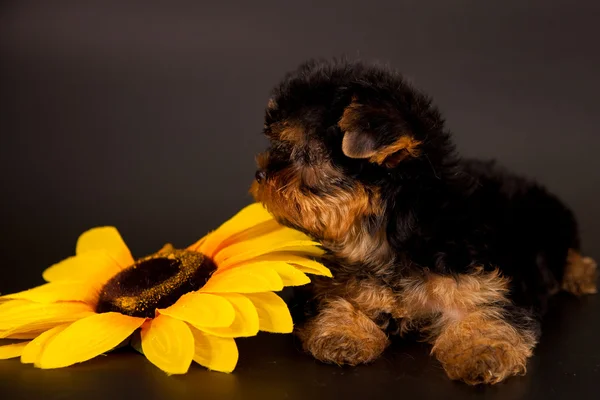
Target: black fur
[443,213]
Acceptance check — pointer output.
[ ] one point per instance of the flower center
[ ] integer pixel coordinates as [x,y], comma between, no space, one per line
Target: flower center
[156,281]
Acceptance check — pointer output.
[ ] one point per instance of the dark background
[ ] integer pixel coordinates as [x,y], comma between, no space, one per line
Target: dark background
[147,116]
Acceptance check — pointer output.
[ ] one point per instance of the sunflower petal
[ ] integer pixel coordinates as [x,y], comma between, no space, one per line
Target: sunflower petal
[12,350]
[58,291]
[21,336]
[249,249]
[290,275]
[267,232]
[168,343]
[273,313]
[215,353]
[92,265]
[21,316]
[264,228]
[303,264]
[136,341]
[246,321]
[105,238]
[86,339]
[202,309]
[196,246]
[32,351]
[247,218]
[244,280]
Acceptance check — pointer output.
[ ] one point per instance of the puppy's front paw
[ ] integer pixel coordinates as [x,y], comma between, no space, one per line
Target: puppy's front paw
[486,363]
[484,354]
[343,349]
[342,335]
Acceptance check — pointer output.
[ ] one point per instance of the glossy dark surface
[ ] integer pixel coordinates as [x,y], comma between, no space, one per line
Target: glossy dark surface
[147,116]
[566,364]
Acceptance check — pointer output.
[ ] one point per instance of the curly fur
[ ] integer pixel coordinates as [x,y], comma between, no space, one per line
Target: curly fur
[418,237]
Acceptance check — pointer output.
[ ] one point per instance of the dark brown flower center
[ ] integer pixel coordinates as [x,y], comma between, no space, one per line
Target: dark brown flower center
[157,281]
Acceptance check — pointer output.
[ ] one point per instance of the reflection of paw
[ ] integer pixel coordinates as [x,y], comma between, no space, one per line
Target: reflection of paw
[342,335]
[580,276]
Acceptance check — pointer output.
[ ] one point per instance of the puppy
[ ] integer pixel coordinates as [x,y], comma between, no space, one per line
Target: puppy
[418,238]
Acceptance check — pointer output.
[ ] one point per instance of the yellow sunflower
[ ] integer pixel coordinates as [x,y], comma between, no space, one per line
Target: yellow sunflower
[175,306]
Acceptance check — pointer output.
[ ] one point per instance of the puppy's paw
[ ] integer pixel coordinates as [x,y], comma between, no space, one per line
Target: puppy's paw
[581,275]
[342,335]
[343,349]
[483,363]
[479,353]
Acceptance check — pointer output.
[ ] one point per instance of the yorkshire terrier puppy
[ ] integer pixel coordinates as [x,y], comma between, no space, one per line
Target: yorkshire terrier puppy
[418,237]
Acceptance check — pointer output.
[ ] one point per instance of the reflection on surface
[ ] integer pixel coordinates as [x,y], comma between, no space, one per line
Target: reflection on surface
[273,367]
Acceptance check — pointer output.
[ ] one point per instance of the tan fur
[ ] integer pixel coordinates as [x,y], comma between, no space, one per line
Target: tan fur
[406,144]
[461,315]
[392,155]
[350,149]
[293,134]
[359,245]
[460,294]
[314,176]
[581,275]
[478,349]
[350,117]
[465,323]
[341,334]
[288,131]
[335,217]
[368,295]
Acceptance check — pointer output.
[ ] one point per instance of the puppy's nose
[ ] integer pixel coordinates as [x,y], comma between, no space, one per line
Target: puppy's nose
[260,175]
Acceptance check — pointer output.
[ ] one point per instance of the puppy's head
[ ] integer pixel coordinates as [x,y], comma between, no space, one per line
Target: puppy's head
[342,136]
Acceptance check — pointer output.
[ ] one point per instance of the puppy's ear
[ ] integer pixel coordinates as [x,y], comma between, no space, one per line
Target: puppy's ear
[358,144]
[377,132]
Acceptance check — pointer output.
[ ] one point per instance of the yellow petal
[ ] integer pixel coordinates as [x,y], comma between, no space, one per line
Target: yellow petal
[168,343]
[215,353]
[86,339]
[108,239]
[26,335]
[93,265]
[12,350]
[136,340]
[33,349]
[202,309]
[244,280]
[303,264]
[290,275]
[21,316]
[247,250]
[57,291]
[196,246]
[246,322]
[248,217]
[264,230]
[267,232]
[273,313]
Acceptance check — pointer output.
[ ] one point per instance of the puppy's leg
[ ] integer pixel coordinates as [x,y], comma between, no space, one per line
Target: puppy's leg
[477,334]
[348,326]
[581,274]
[479,348]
